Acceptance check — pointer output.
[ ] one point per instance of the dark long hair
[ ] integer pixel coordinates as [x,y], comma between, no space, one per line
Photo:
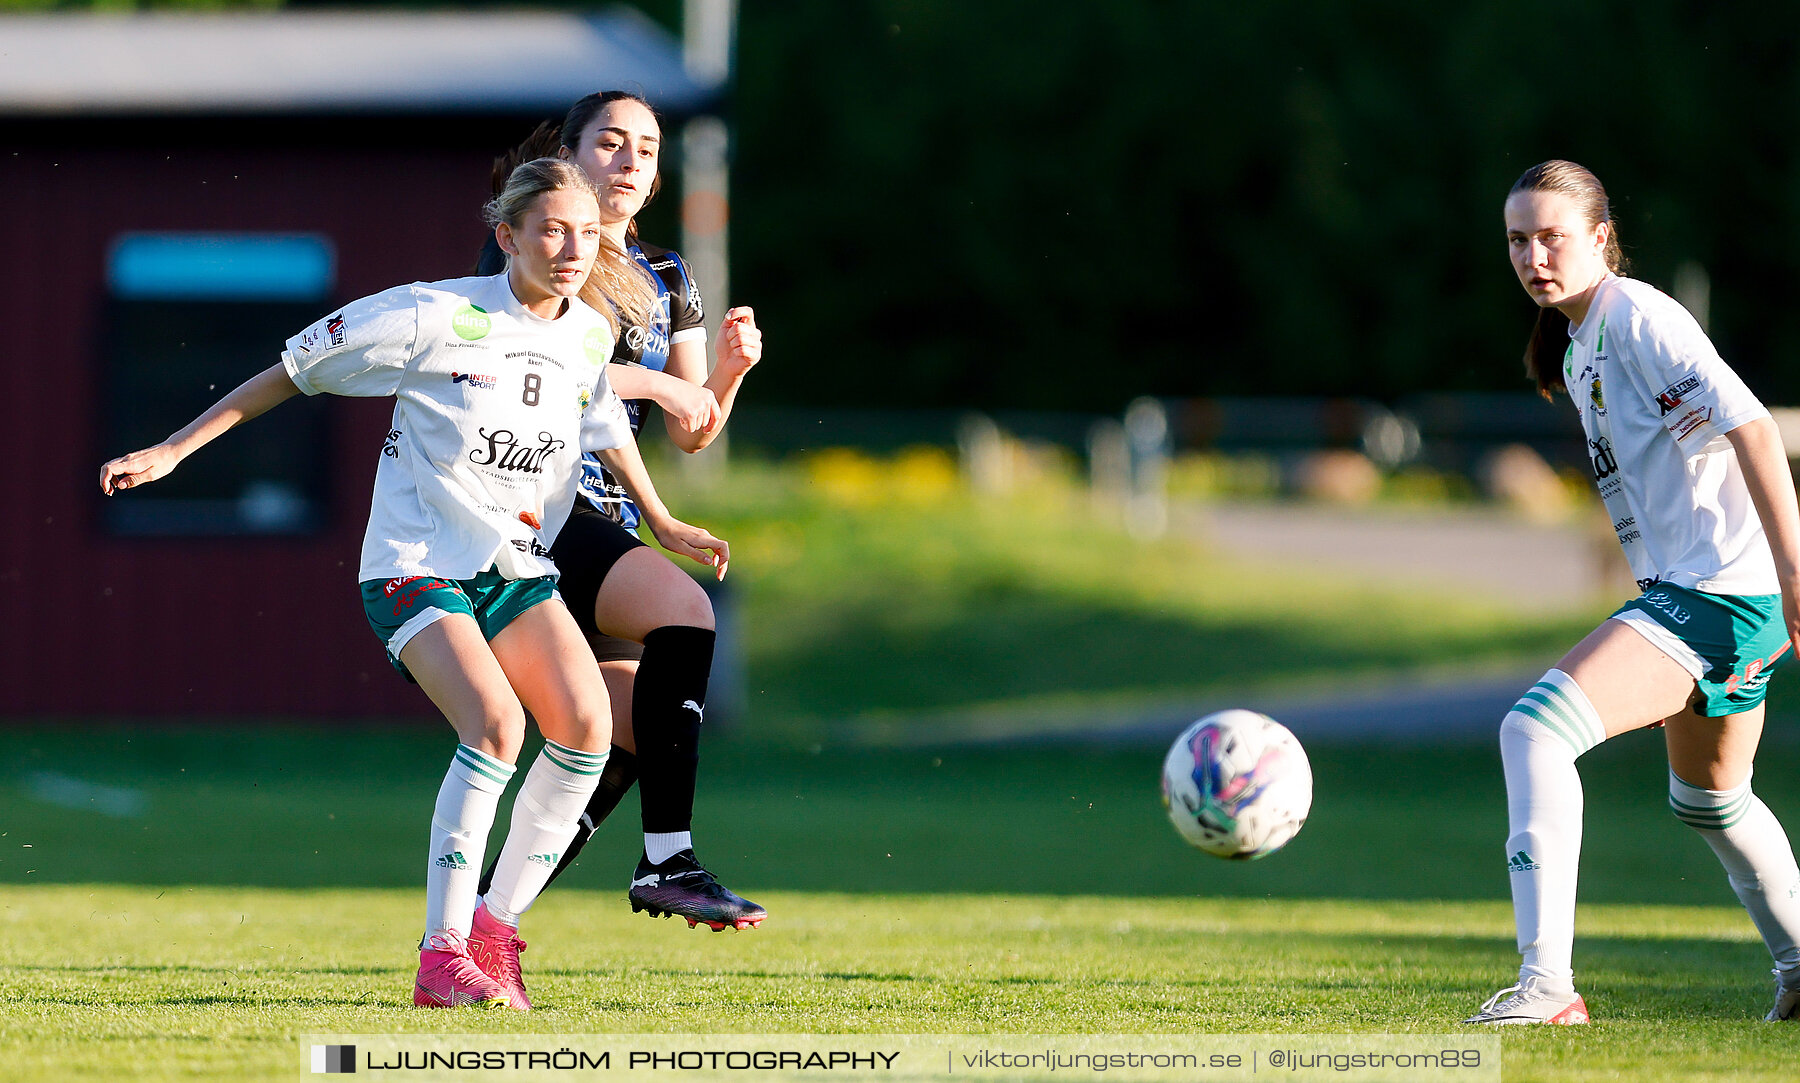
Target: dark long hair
[582,113]
[541,143]
[616,287]
[1550,334]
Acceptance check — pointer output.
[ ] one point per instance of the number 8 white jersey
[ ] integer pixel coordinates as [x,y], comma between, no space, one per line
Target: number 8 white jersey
[494,406]
[1656,402]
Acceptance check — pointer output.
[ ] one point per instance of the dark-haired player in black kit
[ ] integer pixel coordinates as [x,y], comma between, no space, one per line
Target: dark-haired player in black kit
[649,624]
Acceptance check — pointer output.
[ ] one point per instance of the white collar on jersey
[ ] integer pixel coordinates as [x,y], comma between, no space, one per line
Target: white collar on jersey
[1581,334]
[516,308]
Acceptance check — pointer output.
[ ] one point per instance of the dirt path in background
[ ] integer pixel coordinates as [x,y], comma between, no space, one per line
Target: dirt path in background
[1537,568]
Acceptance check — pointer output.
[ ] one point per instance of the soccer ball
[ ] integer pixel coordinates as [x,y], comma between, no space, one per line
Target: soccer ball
[1237,784]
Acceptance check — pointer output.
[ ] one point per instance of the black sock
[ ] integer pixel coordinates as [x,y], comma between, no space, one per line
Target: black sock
[621,771]
[667,703]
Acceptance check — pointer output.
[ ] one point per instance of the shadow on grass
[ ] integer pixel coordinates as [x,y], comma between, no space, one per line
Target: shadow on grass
[235,972]
[296,807]
[849,661]
[124,998]
[1688,977]
[1627,978]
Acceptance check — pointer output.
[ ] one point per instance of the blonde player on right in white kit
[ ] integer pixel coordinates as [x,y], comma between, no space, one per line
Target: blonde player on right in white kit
[1693,474]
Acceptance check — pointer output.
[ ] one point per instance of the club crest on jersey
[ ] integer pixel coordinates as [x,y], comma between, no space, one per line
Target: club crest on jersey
[486,383]
[1670,397]
[1596,397]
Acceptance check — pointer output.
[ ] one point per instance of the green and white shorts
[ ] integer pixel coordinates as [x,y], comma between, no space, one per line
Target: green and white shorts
[399,609]
[1730,643]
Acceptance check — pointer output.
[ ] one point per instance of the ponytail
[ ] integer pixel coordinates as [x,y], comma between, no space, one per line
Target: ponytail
[541,143]
[1544,352]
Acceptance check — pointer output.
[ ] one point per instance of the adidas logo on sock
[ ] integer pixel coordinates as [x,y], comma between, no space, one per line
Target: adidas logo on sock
[452,861]
[544,859]
[1521,862]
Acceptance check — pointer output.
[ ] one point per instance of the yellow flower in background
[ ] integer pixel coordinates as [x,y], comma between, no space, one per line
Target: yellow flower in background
[914,475]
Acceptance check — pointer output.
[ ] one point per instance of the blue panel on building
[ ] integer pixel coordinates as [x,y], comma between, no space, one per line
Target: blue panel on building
[222,267]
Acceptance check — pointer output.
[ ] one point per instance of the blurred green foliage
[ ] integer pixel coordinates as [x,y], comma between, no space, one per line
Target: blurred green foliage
[1066,205]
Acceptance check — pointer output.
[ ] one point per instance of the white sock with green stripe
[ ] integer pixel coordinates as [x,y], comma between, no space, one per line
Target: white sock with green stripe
[1758,861]
[466,804]
[1550,726]
[554,795]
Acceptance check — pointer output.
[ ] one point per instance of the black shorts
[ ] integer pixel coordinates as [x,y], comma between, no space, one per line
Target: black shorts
[586,550]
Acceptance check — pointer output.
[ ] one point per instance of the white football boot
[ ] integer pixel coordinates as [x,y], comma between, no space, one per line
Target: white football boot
[1529,1002]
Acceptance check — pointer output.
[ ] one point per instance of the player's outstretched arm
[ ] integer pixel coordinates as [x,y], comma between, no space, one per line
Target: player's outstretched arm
[674,535]
[739,349]
[687,407]
[256,396]
[1771,483]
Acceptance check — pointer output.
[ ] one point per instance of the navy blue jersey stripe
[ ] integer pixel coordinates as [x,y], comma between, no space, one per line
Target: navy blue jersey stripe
[677,308]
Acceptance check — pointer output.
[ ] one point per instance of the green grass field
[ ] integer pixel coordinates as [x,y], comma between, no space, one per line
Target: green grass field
[263,883]
[181,901]
[216,982]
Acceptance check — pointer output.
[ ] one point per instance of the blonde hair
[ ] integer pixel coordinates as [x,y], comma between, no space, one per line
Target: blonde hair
[615,287]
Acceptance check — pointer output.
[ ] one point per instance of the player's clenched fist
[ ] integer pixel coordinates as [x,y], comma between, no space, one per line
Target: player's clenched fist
[740,342]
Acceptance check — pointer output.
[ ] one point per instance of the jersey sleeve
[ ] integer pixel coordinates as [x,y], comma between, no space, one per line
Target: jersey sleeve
[687,315]
[361,351]
[1696,393]
[604,424]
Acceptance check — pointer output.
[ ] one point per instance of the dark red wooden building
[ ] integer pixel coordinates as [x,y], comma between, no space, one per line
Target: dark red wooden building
[186,192]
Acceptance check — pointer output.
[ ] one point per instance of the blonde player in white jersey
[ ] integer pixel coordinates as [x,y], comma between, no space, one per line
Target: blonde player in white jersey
[500,384]
[1694,477]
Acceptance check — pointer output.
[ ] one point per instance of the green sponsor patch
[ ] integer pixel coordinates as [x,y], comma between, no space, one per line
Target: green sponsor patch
[598,345]
[471,323]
